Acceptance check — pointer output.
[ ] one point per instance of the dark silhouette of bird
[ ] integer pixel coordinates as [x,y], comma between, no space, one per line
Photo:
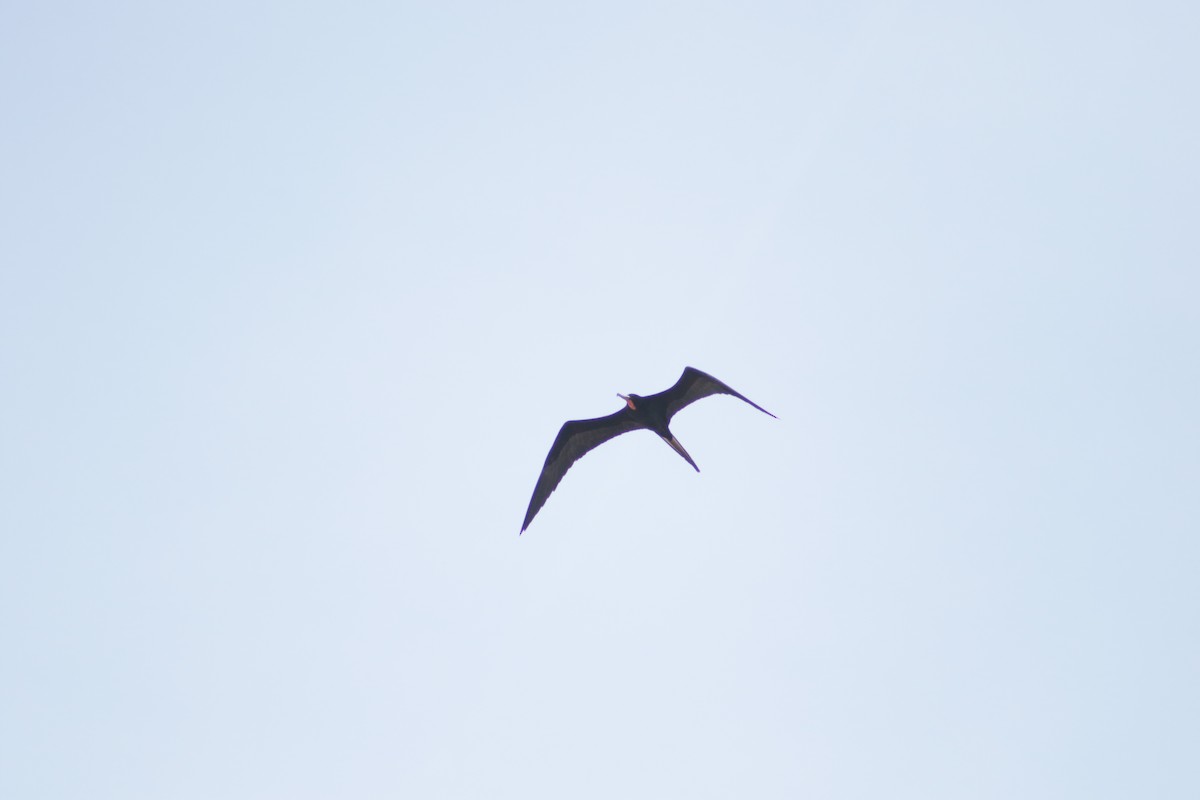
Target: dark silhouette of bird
[654,413]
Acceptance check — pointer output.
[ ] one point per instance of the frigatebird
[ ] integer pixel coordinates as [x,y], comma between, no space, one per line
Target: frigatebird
[653,413]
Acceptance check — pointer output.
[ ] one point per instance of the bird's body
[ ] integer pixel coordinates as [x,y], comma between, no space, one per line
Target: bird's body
[653,413]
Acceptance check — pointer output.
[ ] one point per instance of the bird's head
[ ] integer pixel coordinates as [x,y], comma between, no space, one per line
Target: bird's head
[629,400]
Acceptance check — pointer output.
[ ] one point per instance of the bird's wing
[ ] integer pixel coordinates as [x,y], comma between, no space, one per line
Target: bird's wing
[574,439]
[694,385]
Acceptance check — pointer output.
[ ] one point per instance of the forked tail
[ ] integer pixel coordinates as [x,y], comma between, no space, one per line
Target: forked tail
[678,448]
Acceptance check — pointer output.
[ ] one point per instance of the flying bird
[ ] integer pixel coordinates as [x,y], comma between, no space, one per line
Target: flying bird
[653,413]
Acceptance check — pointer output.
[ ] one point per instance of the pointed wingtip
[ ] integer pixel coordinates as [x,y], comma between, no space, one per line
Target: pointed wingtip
[760,408]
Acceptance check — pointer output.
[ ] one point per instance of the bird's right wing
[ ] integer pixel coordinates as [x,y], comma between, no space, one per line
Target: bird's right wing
[574,439]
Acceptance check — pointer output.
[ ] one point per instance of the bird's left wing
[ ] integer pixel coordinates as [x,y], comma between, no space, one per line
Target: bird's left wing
[694,385]
[574,440]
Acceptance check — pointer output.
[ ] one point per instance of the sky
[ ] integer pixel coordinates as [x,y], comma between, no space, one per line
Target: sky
[294,298]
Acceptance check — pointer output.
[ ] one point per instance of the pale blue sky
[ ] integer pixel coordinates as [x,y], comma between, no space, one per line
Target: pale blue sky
[294,298]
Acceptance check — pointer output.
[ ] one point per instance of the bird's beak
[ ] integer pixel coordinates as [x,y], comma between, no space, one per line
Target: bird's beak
[628,402]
